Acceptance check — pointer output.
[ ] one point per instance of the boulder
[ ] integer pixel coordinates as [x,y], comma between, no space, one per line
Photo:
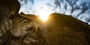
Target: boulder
[7,8]
[66,30]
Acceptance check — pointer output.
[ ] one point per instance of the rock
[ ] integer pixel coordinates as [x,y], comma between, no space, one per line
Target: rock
[26,30]
[7,8]
[66,30]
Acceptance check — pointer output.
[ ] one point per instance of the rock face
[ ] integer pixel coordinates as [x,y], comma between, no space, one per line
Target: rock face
[66,30]
[7,8]
[27,30]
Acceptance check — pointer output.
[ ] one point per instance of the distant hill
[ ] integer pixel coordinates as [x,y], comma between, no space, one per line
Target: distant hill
[66,30]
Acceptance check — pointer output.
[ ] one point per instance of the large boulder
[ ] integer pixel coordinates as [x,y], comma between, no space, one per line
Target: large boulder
[7,8]
[66,30]
[26,31]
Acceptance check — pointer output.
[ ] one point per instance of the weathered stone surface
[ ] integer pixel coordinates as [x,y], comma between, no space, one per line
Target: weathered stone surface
[26,31]
[7,8]
[66,30]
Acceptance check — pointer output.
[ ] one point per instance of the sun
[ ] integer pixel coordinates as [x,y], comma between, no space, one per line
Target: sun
[44,14]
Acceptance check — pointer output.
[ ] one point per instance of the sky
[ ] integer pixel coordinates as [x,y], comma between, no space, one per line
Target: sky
[29,8]
[38,7]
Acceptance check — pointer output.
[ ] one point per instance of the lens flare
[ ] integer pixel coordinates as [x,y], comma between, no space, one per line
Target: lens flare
[44,13]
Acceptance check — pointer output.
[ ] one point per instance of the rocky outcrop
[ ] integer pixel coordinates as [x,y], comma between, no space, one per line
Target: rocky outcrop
[66,30]
[7,8]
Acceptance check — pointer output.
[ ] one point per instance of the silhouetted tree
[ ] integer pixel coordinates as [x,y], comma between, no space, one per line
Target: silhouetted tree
[83,6]
[83,9]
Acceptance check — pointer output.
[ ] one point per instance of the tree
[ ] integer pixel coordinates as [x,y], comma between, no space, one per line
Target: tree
[73,6]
